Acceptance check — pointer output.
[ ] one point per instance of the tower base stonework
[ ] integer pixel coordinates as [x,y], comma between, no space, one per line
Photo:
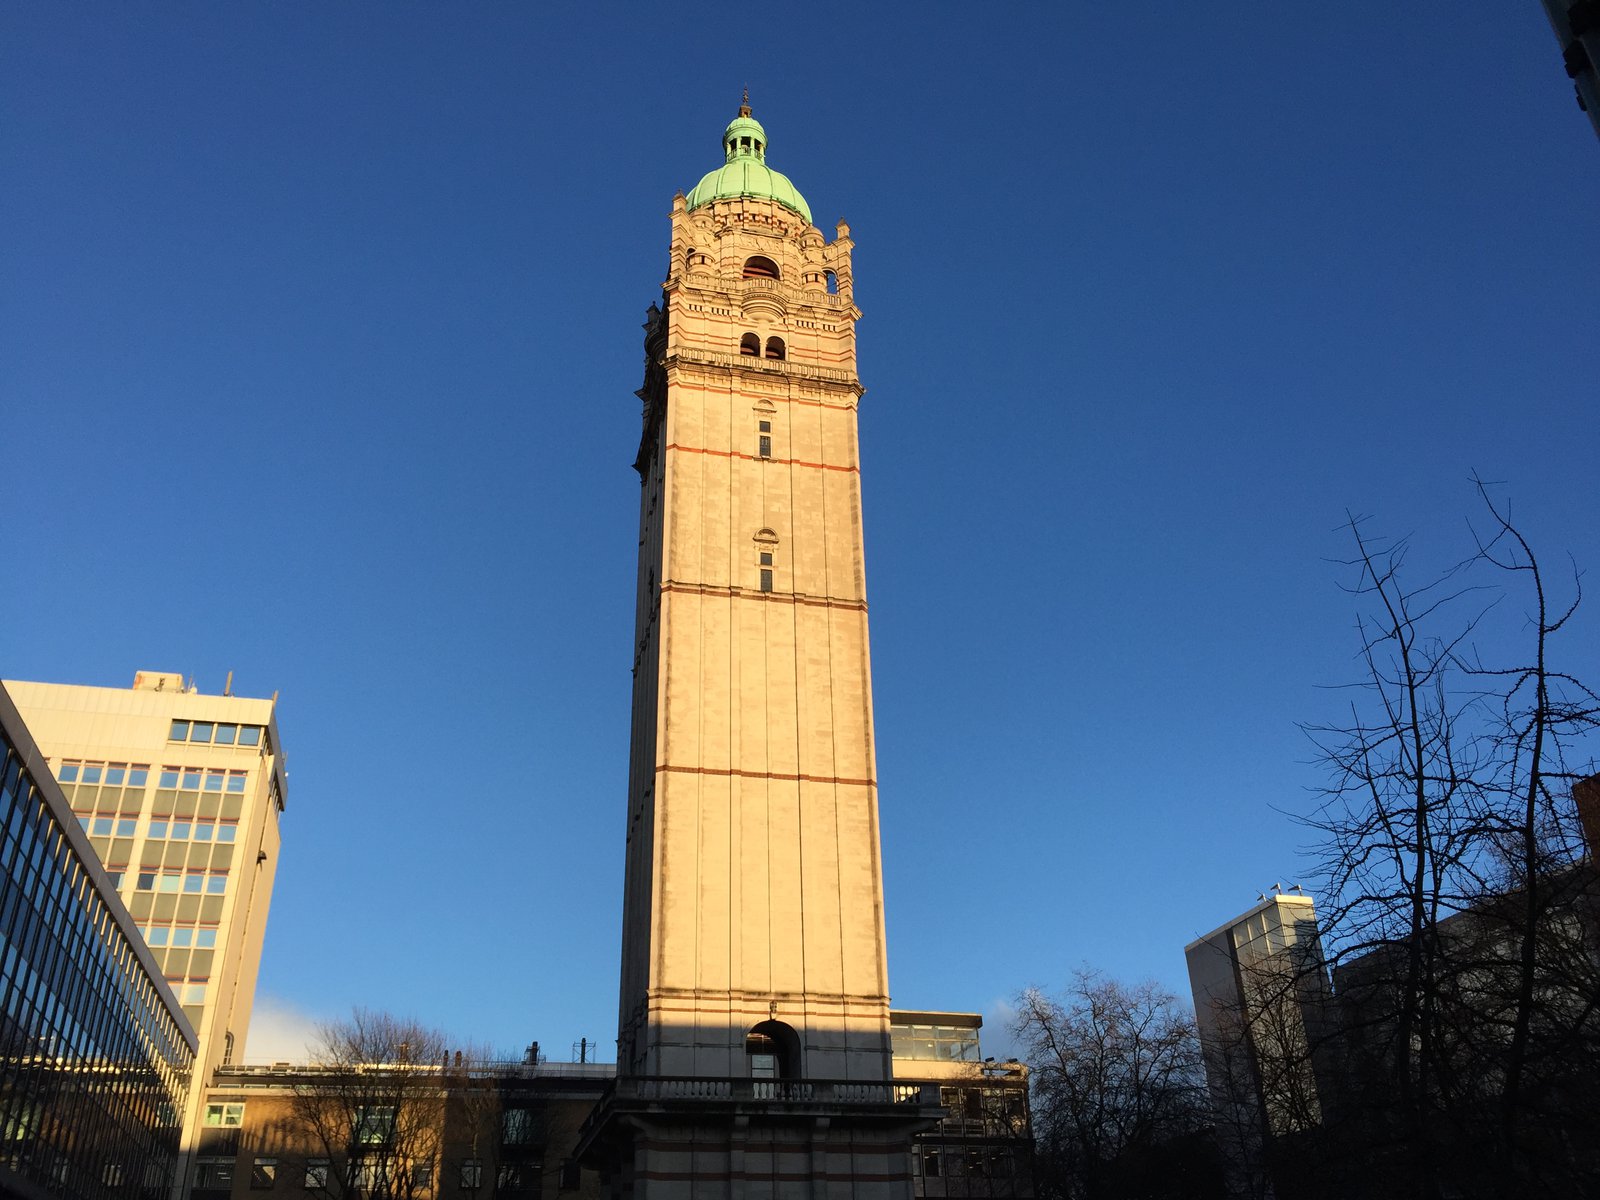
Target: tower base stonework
[753,1139]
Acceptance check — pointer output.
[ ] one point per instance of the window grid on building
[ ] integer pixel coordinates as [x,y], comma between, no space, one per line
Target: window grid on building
[73,990]
[218,733]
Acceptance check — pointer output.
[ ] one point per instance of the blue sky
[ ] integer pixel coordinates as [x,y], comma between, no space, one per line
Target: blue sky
[320,332]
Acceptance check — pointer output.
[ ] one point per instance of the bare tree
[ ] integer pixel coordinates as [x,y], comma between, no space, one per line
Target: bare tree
[373,1102]
[1118,1092]
[1451,892]
[1398,822]
[1533,913]
[500,1143]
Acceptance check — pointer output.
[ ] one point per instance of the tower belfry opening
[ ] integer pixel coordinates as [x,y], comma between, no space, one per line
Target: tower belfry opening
[753,1029]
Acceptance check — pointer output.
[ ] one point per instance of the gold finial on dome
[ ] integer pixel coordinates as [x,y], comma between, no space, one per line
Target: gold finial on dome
[744,105]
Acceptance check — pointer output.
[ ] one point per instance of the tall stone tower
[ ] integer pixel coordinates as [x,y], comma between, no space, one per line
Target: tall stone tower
[753,1043]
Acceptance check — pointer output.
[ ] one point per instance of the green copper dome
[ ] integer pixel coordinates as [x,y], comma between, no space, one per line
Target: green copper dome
[746,173]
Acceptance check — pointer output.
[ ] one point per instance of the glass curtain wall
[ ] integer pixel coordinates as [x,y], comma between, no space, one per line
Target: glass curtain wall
[95,1056]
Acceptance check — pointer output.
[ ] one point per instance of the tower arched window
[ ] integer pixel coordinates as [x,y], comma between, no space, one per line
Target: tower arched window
[776,348]
[750,345]
[773,1051]
[760,267]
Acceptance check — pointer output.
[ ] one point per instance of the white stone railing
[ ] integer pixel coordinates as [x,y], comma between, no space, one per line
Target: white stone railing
[800,1098]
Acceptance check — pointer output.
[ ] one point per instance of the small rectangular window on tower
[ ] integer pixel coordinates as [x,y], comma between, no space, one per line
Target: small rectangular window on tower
[766,558]
[766,446]
[766,580]
[765,426]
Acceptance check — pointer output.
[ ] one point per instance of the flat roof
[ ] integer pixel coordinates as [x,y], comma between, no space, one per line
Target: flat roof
[912,1016]
[1297,899]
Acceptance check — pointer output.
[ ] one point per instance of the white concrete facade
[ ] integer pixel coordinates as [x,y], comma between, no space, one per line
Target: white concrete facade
[191,844]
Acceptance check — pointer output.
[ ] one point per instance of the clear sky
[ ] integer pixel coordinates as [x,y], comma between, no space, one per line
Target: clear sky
[319,328]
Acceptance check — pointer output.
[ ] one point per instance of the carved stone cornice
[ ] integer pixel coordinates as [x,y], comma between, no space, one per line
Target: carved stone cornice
[710,283]
[762,366]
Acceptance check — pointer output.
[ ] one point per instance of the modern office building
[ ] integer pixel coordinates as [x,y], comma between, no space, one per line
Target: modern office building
[1263,1007]
[753,1039]
[1576,24]
[179,794]
[983,1144]
[96,1054]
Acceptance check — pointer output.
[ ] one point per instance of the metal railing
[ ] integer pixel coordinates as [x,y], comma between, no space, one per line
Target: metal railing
[775,1091]
[473,1069]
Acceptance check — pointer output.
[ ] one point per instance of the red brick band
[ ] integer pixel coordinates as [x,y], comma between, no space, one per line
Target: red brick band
[732,771]
[691,589]
[792,462]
